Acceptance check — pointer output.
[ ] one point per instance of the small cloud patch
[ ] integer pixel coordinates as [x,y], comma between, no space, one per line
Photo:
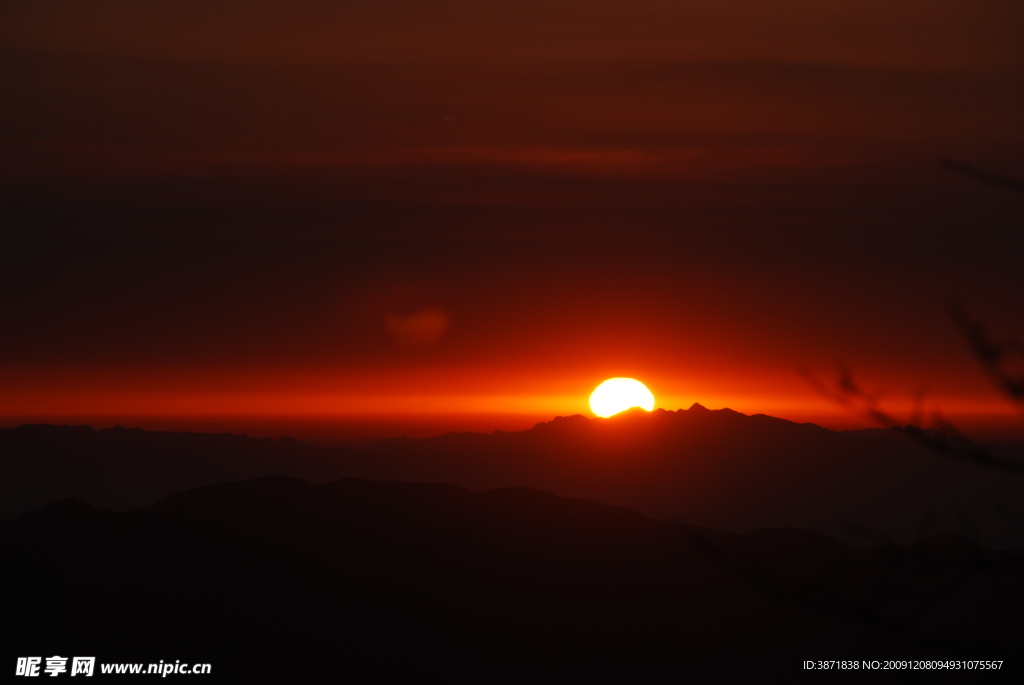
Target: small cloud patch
[423,327]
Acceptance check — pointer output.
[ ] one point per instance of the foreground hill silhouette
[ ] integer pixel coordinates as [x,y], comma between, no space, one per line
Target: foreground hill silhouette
[719,469]
[283,579]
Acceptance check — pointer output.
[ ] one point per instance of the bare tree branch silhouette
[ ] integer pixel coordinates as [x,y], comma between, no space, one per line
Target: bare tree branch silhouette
[981,176]
[993,355]
[905,590]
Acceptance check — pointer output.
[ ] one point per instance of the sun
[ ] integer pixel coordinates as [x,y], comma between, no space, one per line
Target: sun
[620,394]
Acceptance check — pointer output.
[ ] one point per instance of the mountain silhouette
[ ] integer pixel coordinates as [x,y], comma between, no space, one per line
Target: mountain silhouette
[713,468]
[278,578]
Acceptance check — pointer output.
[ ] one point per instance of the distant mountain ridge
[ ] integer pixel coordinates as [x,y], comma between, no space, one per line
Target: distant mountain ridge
[373,579]
[715,468]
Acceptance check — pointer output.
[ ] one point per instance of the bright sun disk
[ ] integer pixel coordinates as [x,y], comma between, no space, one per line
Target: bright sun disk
[620,394]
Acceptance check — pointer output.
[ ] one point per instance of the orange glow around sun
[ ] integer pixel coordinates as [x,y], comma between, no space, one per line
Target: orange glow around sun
[326,403]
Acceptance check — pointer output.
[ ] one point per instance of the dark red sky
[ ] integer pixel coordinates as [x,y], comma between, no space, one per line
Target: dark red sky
[215,211]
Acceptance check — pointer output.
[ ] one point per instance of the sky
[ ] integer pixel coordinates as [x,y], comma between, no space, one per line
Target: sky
[375,218]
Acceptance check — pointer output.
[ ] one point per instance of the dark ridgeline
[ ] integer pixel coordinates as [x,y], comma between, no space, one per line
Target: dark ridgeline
[123,469]
[719,469]
[283,580]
